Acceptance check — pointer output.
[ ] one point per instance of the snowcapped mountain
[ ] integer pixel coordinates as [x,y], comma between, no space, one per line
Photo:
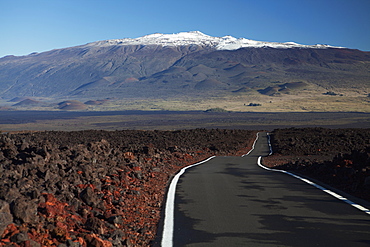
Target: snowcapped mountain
[203,40]
[187,64]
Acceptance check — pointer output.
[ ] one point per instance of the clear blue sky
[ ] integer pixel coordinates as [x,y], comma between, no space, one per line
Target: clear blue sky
[28,26]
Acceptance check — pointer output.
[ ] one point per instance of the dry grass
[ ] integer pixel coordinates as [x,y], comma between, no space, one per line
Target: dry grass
[310,99]
[286,103]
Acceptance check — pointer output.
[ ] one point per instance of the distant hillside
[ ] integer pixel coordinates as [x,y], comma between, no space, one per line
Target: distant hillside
[194,70]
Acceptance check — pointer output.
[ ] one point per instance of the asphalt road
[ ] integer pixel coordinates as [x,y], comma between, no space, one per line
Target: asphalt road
[230,201]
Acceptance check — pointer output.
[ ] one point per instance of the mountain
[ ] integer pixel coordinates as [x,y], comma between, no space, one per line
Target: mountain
[188,64]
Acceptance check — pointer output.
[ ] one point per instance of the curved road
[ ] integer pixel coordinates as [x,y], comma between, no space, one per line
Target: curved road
[231,201]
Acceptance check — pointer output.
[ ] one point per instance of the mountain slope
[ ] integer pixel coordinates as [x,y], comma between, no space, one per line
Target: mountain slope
[187,64]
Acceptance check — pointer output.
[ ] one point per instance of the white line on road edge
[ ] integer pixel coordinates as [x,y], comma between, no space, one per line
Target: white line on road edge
[363,209]
[167,236]
[254,143]
[268,135]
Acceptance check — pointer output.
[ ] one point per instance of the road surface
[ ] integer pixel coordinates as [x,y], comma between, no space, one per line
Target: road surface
[231,201]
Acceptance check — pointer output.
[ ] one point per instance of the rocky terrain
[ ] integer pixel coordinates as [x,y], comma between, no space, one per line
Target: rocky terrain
[106,188]
[337,157]
[96,188]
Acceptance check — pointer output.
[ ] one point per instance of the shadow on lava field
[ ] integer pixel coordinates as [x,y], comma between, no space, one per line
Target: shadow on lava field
[174,120]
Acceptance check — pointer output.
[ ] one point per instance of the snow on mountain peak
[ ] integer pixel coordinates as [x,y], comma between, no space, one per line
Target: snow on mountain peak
[201,39]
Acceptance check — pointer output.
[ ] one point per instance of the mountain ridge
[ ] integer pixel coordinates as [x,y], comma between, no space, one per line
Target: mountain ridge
[227,42]
[137,71]
[198,38]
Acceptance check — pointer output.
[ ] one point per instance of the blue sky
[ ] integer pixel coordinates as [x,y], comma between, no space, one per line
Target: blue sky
[28,26]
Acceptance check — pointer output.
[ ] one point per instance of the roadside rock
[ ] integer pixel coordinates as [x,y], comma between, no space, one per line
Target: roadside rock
[95,225]
[24,210]
[5,216]
[89,197]
[19,237]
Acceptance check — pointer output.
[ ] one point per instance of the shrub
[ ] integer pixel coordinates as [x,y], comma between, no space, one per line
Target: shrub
[217,109]
[254,104]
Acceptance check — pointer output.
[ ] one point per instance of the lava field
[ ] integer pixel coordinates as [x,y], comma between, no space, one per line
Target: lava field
[337,157]
[97,188]
[107,188]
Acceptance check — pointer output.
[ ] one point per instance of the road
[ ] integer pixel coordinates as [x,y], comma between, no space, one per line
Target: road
[231,201]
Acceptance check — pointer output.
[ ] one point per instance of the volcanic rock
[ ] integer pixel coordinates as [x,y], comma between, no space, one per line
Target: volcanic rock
[24,210]
[89,197]
[5,216]
[19,237]
[96,188]
[95,225]
[338,157]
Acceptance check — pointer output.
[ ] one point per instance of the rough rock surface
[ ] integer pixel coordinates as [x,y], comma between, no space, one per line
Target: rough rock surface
[337,157]
[96,188]
[5,216]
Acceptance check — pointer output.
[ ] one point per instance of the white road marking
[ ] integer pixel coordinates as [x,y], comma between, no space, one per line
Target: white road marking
[167,235]
[254,143]
[363,209]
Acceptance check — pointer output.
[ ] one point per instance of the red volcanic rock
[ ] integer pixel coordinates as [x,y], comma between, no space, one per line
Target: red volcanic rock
[94,241]
[96,188]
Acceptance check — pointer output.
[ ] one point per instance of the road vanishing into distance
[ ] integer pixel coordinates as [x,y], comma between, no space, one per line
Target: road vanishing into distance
[231,201]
